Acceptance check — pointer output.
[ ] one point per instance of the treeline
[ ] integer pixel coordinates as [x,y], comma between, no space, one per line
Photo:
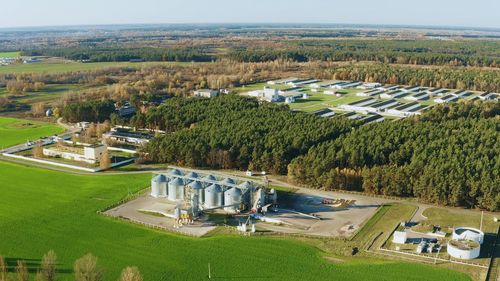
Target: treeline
[89,111]
[234,132]
[419,52]
[84,269]
[125,54]
[449,156]
[452,78]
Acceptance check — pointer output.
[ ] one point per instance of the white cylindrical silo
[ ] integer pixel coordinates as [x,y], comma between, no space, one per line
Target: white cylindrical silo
[192,175]
[173,187]
[213,196]
[208,180]
[197,188]
[175,173]
[159,186]
[232,199]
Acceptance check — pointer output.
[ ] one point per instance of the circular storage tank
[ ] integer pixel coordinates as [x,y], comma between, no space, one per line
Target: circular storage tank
[463,249]
[173,187]
[213,196]
[159,186]
[197,188]
[468,233]
[207,181]
[228,181]
[232,199]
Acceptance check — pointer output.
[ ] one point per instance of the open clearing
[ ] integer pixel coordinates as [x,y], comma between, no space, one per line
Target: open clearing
[15,131]
[59,67]
[52,210]
[9,54]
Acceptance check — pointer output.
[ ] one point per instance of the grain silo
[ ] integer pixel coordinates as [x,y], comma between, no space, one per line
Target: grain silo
[213,196]
[232,199]
[174,187]
[228,182]
[197,189]
[159,186]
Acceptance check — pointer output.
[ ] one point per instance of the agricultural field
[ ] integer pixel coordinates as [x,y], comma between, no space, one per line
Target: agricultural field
[61,67]
[9,54]
[49,93]
[14,131]
[53,210]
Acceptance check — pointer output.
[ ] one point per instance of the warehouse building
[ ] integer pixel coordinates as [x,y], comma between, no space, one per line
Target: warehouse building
[203,192]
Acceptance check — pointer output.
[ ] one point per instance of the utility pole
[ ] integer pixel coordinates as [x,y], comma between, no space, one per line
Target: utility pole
[481,225]
[209,273]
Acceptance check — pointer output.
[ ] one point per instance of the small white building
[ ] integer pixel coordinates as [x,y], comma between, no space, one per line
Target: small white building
[91,154]
[399,237]
[206,93]
[267,94]
[488,96]
[367,86]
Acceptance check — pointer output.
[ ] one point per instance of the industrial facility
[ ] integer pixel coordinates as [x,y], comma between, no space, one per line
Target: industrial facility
[195,192]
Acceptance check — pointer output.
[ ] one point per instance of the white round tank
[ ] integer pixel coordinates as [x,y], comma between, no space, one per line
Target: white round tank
[468,233]
[463,249]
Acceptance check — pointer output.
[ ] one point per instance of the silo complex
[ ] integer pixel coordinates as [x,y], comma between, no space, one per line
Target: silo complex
[207,192]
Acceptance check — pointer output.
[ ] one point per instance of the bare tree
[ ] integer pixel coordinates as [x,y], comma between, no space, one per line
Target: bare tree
[38,151]
[22,271]
[38,109]
[105,161]
[86,269]
[39,276]
[3,269]
[130,274]
[49,262]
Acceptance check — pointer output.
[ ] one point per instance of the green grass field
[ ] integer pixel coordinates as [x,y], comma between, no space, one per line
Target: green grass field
[9,54]
[75,66]
[14,131]
[42,210]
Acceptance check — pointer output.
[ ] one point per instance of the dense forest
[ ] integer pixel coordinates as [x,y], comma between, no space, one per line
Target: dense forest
[125,54]
[419,52]
[89,111]
[449,155]
[234,132]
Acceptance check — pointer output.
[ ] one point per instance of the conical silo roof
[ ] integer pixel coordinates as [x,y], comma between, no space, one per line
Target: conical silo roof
[196,185]
[192,175]
[228,181]
[175,172]
[160,178]
[214,188]
[210,178]
[176,182]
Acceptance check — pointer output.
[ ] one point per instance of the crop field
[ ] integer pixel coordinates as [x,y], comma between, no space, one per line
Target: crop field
[42,67]
[9,54]
[49,93]
[14,131]
[52,210]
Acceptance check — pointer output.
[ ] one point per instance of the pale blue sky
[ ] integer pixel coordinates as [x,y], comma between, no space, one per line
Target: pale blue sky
[477,13]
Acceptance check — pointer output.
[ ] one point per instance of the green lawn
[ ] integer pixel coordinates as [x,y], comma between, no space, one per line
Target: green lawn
[14,131]
[49,93]
[42,210]
[9,54]
[75,66]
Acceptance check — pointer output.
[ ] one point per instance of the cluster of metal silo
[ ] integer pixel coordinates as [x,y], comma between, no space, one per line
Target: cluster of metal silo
[203,191]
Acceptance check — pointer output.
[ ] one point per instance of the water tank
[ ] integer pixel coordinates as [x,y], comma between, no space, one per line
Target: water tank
[197,188]
[232,199]
[159,186]
[173,189]
[468,233]
[213,196]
